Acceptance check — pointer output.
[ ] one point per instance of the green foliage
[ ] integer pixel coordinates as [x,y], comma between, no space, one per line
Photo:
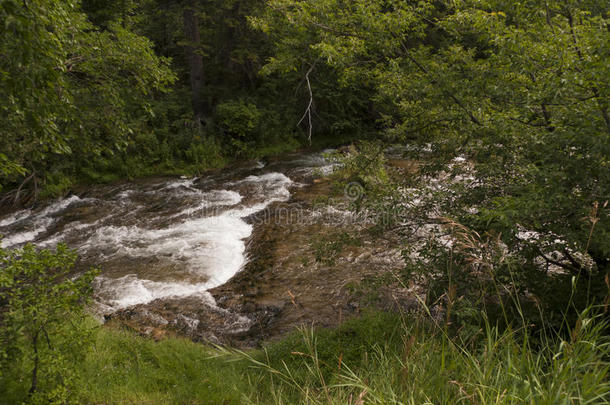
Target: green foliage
[33,102]
[41,330]
[233,53]
[56,184]
[104,12]
[238,118]
[520,89]
[90,92]
[363,166]
[205,154]
[69,89]
[239,121]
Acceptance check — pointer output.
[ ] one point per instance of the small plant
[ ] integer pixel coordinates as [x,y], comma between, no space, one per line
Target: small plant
[238,118]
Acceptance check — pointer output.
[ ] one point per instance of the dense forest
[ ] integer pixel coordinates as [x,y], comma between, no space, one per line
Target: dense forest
[498,200]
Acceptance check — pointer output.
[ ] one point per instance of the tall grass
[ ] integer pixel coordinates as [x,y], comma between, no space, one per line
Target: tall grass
[379,358]
[429,367]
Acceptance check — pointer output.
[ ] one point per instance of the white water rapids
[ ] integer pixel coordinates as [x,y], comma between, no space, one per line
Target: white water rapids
[160,238]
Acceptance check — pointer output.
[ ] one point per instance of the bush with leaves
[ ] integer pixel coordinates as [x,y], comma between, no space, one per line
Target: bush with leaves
[42,328]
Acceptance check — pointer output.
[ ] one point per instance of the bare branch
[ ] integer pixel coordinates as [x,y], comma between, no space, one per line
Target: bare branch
[18,192]
[310,105]
[566,266]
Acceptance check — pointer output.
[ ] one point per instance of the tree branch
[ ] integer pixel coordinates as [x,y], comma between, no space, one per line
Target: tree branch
[436,82]
[602,108]
[574,270]
[310,105]
[18,192]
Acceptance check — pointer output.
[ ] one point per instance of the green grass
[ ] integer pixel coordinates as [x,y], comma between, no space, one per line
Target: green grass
[122,368]
[380,358]
[125,369]
[416,364]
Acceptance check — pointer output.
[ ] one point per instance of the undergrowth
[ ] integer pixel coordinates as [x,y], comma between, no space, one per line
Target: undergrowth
[379,358]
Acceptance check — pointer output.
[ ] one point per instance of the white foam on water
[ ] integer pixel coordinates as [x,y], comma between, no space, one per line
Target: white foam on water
[211,248]
[211,242]
[187,184]
[15,217]
[70,229]
[211,199]
[273,187]
[125,194]
[19,238]
[131,290]
[318,164]
[183,182]
[59,205]
[208,246]
[26,214]
[278,179]
[40,222]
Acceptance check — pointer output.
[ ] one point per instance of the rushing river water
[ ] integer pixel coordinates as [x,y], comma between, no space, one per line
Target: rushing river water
[162,237]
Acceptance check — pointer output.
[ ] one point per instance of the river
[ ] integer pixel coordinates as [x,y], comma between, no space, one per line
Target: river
[163,237]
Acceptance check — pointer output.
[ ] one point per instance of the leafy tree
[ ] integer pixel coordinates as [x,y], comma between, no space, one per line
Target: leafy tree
[521,89]
[68,89]
[41,322]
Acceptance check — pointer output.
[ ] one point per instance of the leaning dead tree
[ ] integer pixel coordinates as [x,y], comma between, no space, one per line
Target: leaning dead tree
[22,195]
[308,111]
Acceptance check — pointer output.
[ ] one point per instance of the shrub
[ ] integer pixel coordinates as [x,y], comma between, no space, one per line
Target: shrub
[41,329]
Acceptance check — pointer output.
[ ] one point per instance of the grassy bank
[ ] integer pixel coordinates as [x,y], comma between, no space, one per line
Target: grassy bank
[379,358]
